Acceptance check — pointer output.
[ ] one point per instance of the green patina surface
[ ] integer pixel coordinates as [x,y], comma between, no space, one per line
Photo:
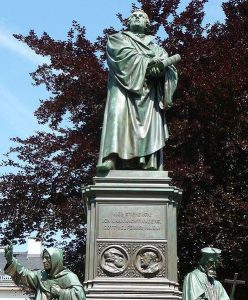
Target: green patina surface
[141,84]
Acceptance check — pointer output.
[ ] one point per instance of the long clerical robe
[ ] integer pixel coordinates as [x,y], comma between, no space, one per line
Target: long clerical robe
[197,286]
[41,282]
[134,122]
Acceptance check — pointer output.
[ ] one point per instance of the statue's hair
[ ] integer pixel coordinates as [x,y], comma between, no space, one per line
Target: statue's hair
[112,250]
[146,16]
[205,259]
[209,254]
[153,255]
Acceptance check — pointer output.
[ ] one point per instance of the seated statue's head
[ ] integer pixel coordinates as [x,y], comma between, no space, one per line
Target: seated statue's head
[46,259]
[52,259]
[208,260]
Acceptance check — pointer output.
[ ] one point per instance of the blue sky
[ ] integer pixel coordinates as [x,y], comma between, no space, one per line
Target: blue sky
[18,98]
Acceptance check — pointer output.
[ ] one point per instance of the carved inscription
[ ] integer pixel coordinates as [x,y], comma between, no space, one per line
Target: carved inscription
[138,221]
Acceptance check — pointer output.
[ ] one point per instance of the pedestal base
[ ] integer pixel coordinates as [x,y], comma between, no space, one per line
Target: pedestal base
[131,240]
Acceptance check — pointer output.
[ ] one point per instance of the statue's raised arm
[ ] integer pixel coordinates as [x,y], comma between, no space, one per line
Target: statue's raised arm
[8,252]
[53,282]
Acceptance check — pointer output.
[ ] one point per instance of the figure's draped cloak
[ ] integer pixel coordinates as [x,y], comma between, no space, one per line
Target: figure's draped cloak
[196,286]
[134,122]
[41,282]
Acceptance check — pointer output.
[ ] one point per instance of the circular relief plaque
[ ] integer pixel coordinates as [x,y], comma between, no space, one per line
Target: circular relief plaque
[148,260]
[114,260]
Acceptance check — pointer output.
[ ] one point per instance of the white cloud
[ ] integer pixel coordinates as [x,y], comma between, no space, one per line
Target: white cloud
[15,116]
[9,42]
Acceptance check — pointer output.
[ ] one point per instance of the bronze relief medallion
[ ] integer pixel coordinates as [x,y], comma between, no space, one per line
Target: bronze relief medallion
[114,260]
[148,260]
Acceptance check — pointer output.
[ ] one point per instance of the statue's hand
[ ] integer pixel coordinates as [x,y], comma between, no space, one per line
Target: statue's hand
[154,61]
[155,72]
[9,252]
[55,290]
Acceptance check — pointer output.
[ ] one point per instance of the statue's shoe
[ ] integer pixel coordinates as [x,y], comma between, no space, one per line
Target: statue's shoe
[106,166]
[150,169]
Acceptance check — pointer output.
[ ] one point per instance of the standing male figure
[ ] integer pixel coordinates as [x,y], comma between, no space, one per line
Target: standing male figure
[54,282]
[201,283]
[141,83]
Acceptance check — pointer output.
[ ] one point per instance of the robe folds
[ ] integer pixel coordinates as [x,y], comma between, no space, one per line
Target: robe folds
[197,286]
[134,123]
[41,282]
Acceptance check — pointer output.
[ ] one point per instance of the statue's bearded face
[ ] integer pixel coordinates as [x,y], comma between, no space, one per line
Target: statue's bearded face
[138,22]
[210,268]
[147,259]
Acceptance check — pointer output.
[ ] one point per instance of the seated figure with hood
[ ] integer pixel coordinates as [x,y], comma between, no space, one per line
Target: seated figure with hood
[54,282]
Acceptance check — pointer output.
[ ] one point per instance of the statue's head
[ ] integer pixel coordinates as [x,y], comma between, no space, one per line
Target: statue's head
[138,21]
[148,258]
[46,259]
[208,260]
[114,256]
[52,259]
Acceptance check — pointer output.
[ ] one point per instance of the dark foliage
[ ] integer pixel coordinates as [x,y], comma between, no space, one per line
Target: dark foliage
[207,150]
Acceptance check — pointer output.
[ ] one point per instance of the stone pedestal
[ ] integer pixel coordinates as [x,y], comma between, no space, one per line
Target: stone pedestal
[131,241]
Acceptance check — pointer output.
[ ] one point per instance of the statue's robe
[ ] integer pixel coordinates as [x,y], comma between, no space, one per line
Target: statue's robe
[134,122]
[41,282]
[197,285]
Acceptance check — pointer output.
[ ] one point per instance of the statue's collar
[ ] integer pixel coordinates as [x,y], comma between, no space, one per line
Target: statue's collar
[200,267]
[143,38]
